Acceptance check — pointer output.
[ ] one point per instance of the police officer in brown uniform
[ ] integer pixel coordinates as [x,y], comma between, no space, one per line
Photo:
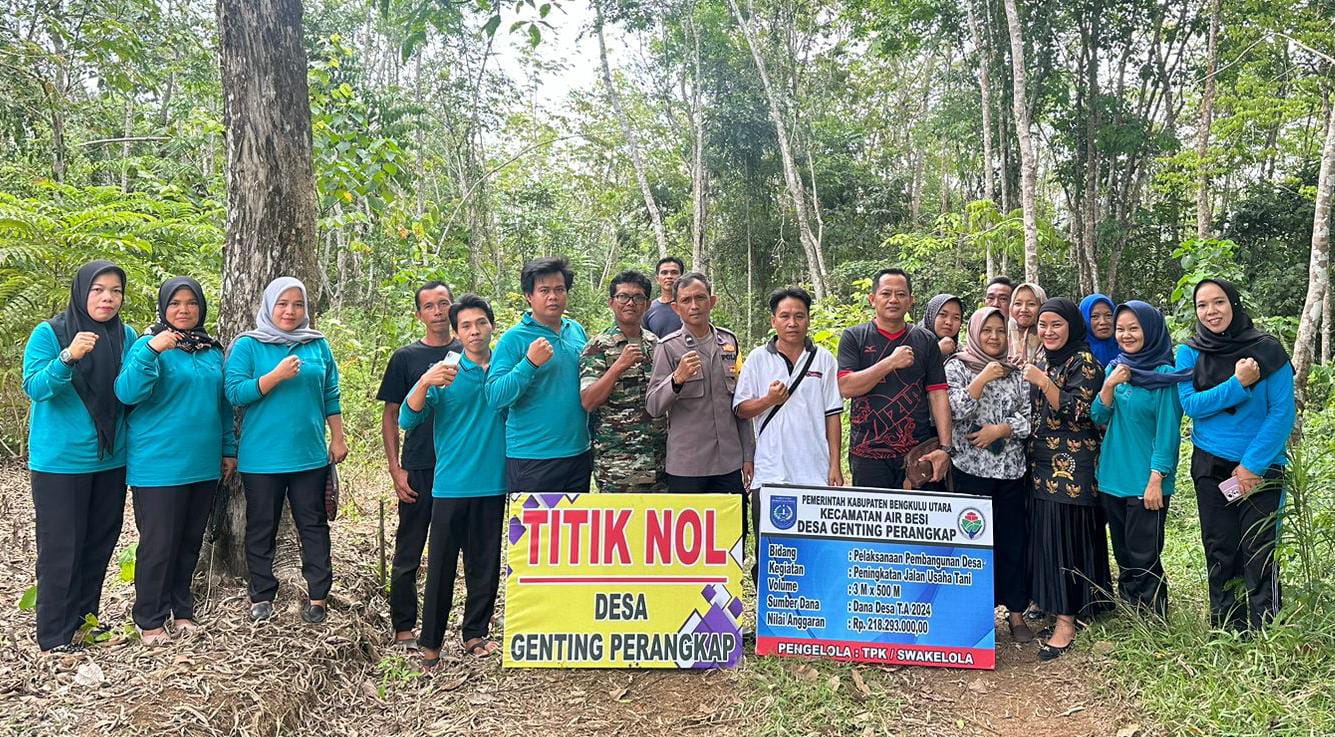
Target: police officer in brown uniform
[709,449]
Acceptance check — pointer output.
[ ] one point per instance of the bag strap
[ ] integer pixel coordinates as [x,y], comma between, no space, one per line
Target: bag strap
[811,356]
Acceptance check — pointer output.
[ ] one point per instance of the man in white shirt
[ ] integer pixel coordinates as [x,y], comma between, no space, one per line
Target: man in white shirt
[797,429]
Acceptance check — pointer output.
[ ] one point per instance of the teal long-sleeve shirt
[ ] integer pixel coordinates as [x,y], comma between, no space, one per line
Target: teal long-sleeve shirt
[544,418]
[468,432]
[61,435]
[1256,432]
[1144,435]
[181,425]
[282,431]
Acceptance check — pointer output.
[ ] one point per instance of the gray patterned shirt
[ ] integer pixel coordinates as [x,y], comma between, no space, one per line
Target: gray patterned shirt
[1005,400]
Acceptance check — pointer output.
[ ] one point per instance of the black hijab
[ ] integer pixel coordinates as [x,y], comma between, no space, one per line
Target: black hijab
[1075,340]
[196,338]
[1220,351]
[94,376]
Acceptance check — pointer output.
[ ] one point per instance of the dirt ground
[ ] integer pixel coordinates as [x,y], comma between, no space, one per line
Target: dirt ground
[342,678]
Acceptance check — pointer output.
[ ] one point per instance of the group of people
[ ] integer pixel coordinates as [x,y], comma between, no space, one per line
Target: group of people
[1067,416]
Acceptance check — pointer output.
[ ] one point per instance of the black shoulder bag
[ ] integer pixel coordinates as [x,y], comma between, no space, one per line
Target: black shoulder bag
[811,356]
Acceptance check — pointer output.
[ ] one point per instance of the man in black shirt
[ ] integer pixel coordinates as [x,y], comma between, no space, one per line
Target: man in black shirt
[893,372]
[661,319]
[412,475]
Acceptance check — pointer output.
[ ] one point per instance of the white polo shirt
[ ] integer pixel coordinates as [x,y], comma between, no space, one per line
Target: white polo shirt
[793,448]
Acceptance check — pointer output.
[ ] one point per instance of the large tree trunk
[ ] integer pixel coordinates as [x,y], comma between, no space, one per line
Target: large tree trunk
[1203,131]
[270,187]
[796,191]
[1318,272]
[632,141]
[699,176]
[1028,161]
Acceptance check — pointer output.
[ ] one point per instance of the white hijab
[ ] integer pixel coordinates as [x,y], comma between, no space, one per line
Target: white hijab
[266,331]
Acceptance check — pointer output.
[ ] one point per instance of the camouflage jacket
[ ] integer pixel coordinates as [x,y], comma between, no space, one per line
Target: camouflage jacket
[629,446]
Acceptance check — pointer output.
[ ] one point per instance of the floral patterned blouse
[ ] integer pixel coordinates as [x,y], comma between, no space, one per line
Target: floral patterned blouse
[1064,443]
[1005,400]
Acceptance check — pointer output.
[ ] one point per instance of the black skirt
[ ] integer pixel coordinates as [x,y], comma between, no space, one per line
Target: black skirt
[1069,554]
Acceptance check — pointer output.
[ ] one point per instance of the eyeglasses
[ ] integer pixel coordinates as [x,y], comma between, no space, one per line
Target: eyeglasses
[622,299]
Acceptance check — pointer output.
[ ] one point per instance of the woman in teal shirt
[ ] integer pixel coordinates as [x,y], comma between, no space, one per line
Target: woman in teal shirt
[1140,409]
[181,441]
[76,449]
[283,376]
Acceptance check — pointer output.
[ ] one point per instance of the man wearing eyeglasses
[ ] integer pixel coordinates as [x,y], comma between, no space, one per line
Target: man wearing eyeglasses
[629,445]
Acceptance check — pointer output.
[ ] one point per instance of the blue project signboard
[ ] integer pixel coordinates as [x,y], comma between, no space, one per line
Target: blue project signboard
[876,575]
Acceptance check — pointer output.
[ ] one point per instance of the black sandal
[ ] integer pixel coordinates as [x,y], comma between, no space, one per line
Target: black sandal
[1047,653]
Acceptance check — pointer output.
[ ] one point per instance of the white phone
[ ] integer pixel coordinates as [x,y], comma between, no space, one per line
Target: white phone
[452,358]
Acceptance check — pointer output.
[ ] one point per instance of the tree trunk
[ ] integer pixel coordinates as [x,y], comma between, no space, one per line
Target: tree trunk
[270,228]
[632,141]
[699,176]
[1028,162]
[1326,307]
[1318,274]
[1203,131]
[985,95]
[796,191]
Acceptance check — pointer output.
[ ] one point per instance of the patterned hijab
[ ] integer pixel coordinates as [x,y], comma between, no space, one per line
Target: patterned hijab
[196,338]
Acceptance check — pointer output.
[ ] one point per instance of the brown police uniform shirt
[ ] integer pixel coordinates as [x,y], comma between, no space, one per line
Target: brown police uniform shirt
[705,438]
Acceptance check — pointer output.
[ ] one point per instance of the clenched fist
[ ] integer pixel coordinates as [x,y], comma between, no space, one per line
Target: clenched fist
[540,351]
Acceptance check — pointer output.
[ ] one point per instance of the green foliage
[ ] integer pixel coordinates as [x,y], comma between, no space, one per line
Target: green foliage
[125,562]
[28,600]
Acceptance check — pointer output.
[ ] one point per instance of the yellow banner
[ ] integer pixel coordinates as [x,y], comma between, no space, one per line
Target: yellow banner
[624,581]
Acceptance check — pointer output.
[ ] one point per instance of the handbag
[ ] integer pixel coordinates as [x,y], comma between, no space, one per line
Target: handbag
[918,470]
[811,356]
[331,492]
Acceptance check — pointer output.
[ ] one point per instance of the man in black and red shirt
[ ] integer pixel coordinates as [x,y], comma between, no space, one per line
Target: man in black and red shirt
[893,372]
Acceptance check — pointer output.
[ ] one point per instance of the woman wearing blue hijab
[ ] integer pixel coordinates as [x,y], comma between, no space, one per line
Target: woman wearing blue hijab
[1097,309]
[1140,408]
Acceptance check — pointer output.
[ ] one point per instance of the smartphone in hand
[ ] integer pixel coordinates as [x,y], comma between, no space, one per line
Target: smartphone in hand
[1231,489]
[452,358]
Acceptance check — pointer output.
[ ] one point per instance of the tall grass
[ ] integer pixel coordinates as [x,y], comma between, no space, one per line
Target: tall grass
[1192,680]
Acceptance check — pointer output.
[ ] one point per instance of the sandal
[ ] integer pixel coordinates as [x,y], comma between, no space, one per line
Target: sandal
[1020,632]
[1048,652]
[408,644]
[480,647]
[186,627]
[429,665]
[157,639]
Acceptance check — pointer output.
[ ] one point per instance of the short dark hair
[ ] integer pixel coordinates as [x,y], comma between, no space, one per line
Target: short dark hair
[690,278]
[797,293]
[681,265]
[434,283]
[470,302]
[528,277]
[892,271]
[631,277]
[1003,279]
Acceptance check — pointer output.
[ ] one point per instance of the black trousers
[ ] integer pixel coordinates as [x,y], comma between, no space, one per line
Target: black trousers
[304,491]
[1239,539]
[1137,540]
[1010,538]
[883,473]
[724,483]
[409,540]
[79,519]
[171,521]
[471,525]
[549,475]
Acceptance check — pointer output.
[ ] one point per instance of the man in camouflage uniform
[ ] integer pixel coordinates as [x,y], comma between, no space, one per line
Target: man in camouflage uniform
[629,446]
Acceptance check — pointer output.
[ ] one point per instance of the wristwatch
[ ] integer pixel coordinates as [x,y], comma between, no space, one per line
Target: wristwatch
[67,358]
